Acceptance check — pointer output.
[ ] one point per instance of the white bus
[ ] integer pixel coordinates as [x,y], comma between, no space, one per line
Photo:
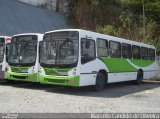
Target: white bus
[3,54]
[23,57]
[75,57]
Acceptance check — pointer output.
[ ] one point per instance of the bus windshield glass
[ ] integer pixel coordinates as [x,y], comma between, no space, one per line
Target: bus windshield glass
[2,47]
[60,49]
[23,50]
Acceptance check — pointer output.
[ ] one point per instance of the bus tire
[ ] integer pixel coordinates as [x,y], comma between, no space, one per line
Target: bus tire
[100,82]
[139,77]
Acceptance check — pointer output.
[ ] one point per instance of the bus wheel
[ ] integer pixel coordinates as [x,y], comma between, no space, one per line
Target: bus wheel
[139,77]
[100,82]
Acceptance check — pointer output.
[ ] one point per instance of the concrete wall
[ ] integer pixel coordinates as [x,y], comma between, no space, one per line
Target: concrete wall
[49,4]
[17,17]
[33,2]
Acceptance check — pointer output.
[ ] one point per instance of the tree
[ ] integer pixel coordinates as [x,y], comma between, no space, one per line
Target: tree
[132,19]
[89,13]
[57,6]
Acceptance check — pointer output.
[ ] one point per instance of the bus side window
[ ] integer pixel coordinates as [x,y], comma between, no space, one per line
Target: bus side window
[126,50]
[144,53]
[87,50]
[151,54]
[136,52]
[115,49]
[102,47]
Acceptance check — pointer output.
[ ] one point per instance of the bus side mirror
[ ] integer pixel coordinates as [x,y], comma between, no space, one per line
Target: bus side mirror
[87,45]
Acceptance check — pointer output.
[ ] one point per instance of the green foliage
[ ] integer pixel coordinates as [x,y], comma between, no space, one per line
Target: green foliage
[109,30]
[152,8]
[149,33]
[121,18]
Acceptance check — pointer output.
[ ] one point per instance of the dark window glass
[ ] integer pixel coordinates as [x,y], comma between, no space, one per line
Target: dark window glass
[60,49]
[2,40]
[23,50]
[102,47]
[87,50]
[136,52]
[126,51]
[115,49]
[144,53]
[151,54]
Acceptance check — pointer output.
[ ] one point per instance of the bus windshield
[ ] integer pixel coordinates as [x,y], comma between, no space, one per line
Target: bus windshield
[59,49]
[2,51]
[23,50]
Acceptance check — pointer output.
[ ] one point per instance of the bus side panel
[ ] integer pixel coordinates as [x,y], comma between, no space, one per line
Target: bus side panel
[116,77]
[1,71]
[119,77]
[87,79]
[131,76]
[88,72]
[150,71]
[149,74]
[3,66]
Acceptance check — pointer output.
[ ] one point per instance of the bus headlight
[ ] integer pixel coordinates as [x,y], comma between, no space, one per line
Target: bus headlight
[31,70]
[6,69]
[74,73]
[40,70]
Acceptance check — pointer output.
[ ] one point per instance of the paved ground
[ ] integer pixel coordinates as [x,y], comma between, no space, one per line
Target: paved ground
[119,97]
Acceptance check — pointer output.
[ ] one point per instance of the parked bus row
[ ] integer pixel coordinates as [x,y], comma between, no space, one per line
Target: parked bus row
[75,57]
[4,40]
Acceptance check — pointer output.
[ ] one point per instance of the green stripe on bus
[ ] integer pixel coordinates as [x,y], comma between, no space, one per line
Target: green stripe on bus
[122,65]
[142,63]
[118,65]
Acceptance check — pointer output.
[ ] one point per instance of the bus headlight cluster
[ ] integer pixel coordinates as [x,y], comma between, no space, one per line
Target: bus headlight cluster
[74,73]
[40,70]
[7,69]
[31,70]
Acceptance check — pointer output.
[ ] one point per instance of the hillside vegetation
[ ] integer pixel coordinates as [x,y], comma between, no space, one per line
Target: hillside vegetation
[137,20]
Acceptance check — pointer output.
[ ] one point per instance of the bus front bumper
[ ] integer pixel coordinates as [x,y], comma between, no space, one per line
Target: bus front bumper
[60,80]
[22,77]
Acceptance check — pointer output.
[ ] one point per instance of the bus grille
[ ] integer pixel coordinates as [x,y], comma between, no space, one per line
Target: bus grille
[19,77]
[55,80]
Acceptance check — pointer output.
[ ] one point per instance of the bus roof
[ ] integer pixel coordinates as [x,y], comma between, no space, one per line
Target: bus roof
[108,37]
[5,36]
[28,34]
[40,36]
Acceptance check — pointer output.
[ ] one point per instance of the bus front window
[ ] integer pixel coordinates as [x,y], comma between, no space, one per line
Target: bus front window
[23,50]
[48,52]
[59,50]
